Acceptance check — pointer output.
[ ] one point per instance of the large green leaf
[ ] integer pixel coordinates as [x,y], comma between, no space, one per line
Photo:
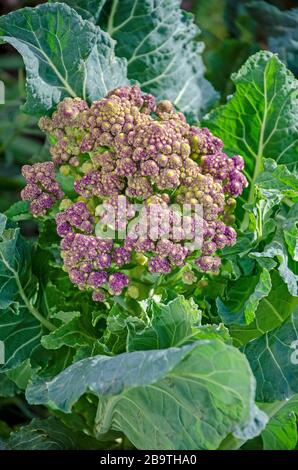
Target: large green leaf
[271,313]
[243,298]
[168,325]
[21,374]
[274,359]
[63,55]
[49,434]
[260,120]
[88,9]
[279,179]
[290,232]
[160,44]
[281,432]
[277,249]
[172,324]
[187,398]
[15,268]
[77,332]
[20,321]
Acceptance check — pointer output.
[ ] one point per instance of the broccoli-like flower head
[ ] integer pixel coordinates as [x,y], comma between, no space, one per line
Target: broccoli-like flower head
[41,190]
[125,149]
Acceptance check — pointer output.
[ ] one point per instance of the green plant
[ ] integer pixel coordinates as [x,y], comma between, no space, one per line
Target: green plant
[161,358]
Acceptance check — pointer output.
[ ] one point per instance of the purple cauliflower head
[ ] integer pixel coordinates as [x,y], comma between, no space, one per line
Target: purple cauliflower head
[124,151]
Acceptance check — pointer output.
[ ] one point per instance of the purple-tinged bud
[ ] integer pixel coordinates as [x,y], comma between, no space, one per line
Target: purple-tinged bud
[63,229]
[121,256]
[41,205]
[202,142]
[78,277]
[117,282]
[220,240]
[105,245]
[67,242]
[138,187]
[238,162]
[168,179]
[126,167]
[178,255]
[208,248]
[149,168]
[98,295]
[42,189]
[231,235]
[208,263]
[144,244]
[164,247]
[103,261]
[237,182]
[30,192]
[97,279]
[188,277]
[158,264]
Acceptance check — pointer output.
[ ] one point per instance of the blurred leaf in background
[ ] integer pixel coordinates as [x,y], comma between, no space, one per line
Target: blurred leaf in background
[234,30]
[21,141]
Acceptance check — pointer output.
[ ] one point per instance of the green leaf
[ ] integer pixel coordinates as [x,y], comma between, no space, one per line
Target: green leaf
[273,358]
[243,298]
[279,179]
[76,333]
[7,387]
[88,9]
[279,29]
[260,120]
[21,335]
[277,248]
[172,324]
[271,313]
[15,257]
[115,335]
[63,55]
[187,398]
[160,44]
[49,434]
[20,321]
[281,432]
[169,325]
[19,211]
[21,374]
[290,231]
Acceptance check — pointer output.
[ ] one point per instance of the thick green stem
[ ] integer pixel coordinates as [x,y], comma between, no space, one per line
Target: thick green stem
[32,309]
[46,323]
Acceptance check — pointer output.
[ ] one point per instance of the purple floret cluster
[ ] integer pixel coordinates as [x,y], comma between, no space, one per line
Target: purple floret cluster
[87,259]
[41,189]
[125,149]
